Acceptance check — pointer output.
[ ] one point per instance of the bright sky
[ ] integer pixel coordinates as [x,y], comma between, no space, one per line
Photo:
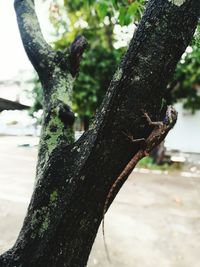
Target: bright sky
[13,59]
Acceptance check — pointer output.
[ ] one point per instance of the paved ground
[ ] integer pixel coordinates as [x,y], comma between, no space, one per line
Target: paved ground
[154,221]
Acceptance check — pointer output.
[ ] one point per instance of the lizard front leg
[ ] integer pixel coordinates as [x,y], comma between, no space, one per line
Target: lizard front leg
[139,140]
[150,122]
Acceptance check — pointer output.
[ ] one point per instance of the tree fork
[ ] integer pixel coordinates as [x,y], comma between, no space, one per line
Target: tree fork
[74,178]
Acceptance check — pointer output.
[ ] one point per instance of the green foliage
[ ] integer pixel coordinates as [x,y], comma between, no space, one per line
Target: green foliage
[97,68]
[148,163]
[186,82]
[122,11]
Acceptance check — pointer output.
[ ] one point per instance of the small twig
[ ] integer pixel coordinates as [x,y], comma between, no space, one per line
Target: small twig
[76,51]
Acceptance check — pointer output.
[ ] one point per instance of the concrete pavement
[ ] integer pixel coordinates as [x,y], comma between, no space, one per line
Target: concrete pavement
[154,221]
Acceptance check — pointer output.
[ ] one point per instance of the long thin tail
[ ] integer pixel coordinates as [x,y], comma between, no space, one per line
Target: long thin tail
[103,220]
[103,231]
[124,174]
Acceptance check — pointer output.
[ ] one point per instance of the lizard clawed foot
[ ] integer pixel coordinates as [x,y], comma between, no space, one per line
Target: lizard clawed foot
[129,136]
[139,140]
[150,122]
[146,154]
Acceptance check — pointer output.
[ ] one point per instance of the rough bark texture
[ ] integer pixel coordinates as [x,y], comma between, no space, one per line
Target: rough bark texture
[73,179]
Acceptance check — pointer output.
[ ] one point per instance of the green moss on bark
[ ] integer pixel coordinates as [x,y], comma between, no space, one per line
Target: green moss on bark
[40,222]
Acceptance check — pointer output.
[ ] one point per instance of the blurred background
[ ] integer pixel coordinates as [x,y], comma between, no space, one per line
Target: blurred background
[155,219]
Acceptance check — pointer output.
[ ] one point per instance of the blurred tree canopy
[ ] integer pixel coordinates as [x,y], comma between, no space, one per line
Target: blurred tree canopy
[186,81]
[107,25]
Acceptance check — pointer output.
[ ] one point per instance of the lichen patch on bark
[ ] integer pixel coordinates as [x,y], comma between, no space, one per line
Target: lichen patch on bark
[63,88]
[118,75]
[177,2]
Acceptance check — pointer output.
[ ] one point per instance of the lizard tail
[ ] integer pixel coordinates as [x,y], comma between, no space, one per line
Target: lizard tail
[104,237]
[123,175]
[103,218]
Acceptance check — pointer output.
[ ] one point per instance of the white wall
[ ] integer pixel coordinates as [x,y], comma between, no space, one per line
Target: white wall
[186,134]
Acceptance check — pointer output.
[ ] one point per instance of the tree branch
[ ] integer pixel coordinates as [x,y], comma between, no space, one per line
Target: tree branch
[67,205]
[69,59]
[76,50]
[38,51]
[55,69]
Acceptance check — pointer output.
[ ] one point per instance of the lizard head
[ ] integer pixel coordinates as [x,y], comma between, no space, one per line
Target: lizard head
[171,116]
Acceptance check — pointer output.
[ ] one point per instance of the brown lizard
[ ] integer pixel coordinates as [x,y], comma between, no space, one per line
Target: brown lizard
[158,134]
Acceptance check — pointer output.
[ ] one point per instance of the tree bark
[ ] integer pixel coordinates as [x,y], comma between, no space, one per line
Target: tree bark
[74,178]
[86,122]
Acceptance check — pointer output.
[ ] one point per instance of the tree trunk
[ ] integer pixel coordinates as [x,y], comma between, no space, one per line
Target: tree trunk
[86,122]
[74,178]
[158,154]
